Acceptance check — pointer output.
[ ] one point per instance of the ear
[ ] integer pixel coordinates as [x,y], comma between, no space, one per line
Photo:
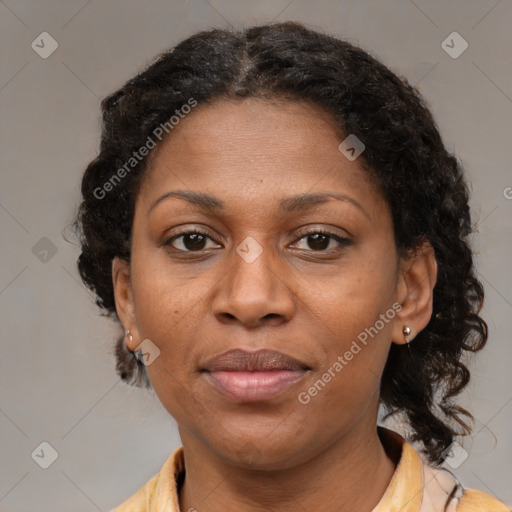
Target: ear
[123,294]
[415,292]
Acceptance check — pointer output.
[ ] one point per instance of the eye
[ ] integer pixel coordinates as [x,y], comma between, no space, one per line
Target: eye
[319,240]
[189,241]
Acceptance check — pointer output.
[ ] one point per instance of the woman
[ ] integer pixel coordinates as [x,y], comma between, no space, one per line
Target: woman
[274,221]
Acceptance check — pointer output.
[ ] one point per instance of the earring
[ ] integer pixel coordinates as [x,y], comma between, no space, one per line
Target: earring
[407,331]
[128,335]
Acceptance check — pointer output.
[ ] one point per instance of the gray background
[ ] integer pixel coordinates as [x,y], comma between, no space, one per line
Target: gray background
[57,378]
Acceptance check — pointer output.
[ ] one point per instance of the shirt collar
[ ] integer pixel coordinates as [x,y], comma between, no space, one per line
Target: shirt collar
[403,494]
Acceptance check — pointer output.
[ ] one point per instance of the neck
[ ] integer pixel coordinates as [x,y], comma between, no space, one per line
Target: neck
[351,474]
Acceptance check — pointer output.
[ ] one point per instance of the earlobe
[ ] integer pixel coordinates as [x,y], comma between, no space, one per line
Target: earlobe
[408,334]
[123,294]
[415,292]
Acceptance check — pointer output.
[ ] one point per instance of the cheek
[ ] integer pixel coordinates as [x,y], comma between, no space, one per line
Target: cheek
[164,298]
[352,298]
[353,356]
[165,310]
[354,319]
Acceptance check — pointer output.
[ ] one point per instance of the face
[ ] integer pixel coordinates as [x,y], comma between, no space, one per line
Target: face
[315,278]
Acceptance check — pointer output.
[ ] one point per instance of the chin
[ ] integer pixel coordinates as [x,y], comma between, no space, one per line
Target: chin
[261,452]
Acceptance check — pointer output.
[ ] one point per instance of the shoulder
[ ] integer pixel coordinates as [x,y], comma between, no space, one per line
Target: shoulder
[479,501]
[440,484]
[139,501]
[440,489]
[160,492]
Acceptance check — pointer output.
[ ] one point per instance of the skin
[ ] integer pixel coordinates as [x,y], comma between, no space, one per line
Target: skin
[307,302]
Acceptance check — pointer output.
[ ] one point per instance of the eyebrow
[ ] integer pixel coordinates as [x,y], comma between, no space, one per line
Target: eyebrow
[294,204]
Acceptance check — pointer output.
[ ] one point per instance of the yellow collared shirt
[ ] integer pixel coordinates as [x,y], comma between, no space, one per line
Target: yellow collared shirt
[414,487]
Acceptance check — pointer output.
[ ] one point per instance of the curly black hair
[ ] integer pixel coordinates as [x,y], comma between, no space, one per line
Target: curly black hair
[404,155]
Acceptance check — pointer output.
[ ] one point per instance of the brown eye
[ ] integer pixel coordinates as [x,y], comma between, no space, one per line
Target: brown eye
[189,241]
[320,240]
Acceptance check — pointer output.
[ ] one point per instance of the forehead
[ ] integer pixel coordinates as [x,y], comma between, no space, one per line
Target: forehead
[277,128]
[253,148]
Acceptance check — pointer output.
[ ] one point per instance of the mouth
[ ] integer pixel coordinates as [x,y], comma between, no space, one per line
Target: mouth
[253,376]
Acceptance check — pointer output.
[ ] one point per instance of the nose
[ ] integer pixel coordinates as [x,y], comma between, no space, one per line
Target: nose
[254,293]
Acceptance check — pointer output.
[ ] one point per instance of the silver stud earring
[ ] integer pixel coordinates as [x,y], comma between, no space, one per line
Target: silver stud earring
[407,331]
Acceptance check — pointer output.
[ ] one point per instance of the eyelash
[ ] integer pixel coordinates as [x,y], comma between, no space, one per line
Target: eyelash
[342,241]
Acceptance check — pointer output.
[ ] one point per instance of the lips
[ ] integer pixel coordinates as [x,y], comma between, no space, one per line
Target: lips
[262,360]
[253,376]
